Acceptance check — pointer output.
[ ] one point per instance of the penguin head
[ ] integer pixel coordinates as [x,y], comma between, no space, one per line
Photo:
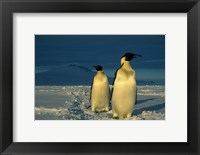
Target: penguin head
[98,68]
[129,57]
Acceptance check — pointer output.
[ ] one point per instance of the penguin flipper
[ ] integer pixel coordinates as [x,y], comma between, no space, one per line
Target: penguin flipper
[136,97]
[88,107]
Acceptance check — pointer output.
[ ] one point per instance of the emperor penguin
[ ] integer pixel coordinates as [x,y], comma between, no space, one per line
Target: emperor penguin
[100,91]
[124,88]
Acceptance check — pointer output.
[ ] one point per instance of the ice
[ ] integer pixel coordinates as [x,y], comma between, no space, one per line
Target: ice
[72,102]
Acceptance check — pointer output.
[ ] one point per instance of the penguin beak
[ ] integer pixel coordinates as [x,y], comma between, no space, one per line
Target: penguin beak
[130,56]
[136,55]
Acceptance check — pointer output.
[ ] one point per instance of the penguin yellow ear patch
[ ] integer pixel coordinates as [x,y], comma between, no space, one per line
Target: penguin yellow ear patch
[123,59]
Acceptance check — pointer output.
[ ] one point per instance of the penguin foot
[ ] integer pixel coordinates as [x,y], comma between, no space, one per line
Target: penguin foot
[124,116]
[98,110]
[128,115]
[115,116]
[107,109]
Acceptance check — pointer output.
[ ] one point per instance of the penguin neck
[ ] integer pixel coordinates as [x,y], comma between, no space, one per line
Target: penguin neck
[126,65]
[100,72]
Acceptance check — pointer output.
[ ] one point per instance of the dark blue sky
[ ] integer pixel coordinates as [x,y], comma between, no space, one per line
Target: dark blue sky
[105,50]
[100,49]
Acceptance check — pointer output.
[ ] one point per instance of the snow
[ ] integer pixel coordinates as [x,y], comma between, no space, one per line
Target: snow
[72,103]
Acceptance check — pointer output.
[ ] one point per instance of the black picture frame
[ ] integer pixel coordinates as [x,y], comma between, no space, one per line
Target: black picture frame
[8,7]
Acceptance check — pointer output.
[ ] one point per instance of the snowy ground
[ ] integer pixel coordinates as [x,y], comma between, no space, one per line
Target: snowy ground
[71,102]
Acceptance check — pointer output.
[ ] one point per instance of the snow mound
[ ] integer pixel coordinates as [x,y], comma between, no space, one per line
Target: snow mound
[151,90]
[71,74]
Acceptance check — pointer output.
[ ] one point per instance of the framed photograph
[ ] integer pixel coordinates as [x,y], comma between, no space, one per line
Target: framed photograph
[69,87]
[99,77]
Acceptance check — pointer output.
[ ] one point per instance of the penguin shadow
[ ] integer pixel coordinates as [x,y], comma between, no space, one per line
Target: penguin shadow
[142,101]
[150,108]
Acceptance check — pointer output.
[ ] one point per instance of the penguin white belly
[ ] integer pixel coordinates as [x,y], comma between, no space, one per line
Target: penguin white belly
[124,97]
[100,95]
